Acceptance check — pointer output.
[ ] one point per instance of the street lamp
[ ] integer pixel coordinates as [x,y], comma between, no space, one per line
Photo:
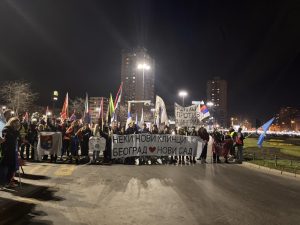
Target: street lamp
[143,67]
[182,94]
[54,99]
[3,108]
[210,104]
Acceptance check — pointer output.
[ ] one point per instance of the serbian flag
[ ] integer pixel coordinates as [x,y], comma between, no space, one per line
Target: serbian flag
[64,112]
[73,116]
[202,112]
[118,97]
[86,116]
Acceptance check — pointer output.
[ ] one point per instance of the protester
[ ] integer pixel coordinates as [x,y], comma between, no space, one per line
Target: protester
[217,146]
[227,146]
[240,144]
[24,140]
[107,153]
[84,135]
[66,140]
[74,142]
[9,162]
[203,134]
[233,135]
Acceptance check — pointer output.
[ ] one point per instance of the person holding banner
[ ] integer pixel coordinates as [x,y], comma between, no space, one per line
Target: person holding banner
[107,153]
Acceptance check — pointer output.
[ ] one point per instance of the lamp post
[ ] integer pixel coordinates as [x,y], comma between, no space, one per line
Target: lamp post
[143,67]
[182,94]
[54,99]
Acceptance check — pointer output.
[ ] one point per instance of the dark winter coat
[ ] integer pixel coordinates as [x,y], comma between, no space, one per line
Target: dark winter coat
[9,147]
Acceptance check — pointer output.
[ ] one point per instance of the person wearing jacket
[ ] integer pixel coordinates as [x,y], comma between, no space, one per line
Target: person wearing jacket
[9,163]
[203,134]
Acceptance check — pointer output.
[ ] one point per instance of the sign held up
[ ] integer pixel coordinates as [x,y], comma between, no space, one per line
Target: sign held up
[186,116]
[153,145]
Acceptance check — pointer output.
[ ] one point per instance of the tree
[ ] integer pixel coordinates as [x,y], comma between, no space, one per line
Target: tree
[77,105]
[17,95]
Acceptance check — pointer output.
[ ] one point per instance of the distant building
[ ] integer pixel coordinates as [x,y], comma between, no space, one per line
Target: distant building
[216,90]
[137,75]
[288,118]
[94,107]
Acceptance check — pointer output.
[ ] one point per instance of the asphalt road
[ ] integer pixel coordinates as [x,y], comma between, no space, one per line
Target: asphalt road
[162,194]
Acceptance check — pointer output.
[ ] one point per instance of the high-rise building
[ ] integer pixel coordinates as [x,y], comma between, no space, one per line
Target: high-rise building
[94,107]
[217,93]
[137,75]
[288,118]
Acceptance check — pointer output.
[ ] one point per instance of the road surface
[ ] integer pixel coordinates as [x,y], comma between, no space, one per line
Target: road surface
[157,194]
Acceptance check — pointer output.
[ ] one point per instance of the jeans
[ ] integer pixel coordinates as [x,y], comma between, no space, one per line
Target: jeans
[239,155]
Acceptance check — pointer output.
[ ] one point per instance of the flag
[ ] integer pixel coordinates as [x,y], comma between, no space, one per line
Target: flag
[202,112]
[136,118]
[64,112]
[86,116]
[129,119]
[267,125]
[142,118]
[160,111]
[265,128]
[118,97]
[110,110]
[101,111]
[73,116]
[26,117]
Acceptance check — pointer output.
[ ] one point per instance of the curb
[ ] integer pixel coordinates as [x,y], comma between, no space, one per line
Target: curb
[270,170]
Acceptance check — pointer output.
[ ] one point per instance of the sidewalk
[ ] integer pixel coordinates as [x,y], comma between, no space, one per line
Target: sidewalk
[270,170]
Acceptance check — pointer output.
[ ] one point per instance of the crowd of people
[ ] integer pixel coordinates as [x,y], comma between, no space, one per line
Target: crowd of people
[20,138]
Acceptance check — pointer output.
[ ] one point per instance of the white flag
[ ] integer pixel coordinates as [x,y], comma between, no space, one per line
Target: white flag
[160,105]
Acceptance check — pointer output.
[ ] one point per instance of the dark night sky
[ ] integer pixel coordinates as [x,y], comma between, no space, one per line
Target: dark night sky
[76,46]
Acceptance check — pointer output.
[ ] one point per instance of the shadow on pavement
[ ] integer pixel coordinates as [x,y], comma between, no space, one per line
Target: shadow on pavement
[32,176]
[42,193]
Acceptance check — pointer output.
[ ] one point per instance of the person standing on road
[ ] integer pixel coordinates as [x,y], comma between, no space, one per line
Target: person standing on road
[240,145]
[203,134]
[9,151]
[84,135]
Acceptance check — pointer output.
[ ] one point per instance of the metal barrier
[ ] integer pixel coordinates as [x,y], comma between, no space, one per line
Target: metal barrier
[274,162]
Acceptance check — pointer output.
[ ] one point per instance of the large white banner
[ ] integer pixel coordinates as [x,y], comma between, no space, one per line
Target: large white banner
[186,116]
[49,143]
[154,145]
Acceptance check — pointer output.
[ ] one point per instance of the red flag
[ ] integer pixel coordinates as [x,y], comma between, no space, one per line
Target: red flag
[26,117]
[64,112]
[118,97]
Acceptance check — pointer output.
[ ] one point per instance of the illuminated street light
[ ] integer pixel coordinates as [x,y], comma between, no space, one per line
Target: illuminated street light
[12,112]
[3,108]
[49,113]
[210,104]
[182,94]
[54,99]
[143,67]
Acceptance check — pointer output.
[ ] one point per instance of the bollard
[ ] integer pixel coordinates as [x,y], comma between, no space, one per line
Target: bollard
[275,160]
[253,156]
[291,162]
